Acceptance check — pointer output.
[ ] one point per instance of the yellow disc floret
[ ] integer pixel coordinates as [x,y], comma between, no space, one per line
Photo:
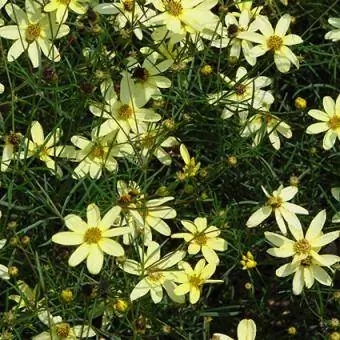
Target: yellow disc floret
[173,7]
[125,111]
[334,122]
[33,32]
[275,42]
[62,329]
[92,235]
[302,247]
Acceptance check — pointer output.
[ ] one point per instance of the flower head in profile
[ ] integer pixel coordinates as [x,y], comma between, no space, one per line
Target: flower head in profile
[277,41]
[155,271]
[304,248]
[61,7]
[10,149]
[277,203]
[336,195]
[329,121]
[60,330]
[334,35]
[35,32]
[3,269]
[204,238]
[192,279]
[93,237]
[190,167]
[246,330]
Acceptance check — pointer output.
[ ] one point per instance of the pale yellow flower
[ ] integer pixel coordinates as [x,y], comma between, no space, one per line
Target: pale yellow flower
[274,40]
[61,8]
[283,210]
[12,144]
[204,238]
[155,271]
[334,35]
[190,168]
[330,121]
[92,238]
[246,330]
[192,280]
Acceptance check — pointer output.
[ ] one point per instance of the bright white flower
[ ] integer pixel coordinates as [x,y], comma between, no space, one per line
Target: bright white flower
[246,330]
[128,11]
[334,35]
[185,16]
[93,237]
[191,280]
[274,40]
[12,144]
[60,330]
[34,32]
[97,154]
[155,272]
[202,238]
[265,123]
[125,114]
[330,121]
[61,8]
[44,148]
[284,211]
[147,76]
[306,262]
[336,195]
[245,93]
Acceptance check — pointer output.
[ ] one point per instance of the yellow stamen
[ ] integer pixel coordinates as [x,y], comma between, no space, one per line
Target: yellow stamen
[125,111]
[33,32]
[302,247]
[275,42]
[173,7]
[92,235]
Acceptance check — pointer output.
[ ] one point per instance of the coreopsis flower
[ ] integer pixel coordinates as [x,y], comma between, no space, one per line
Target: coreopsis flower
[155,271]
[278,204]
[190,168]
[204,238]
[60,330]
[123,115]
[3,269]
[306,262]
[246,330]
[44,148]
[245,93]
[265,123]
[35,32]
[127,12]
[234,24]
[330,121]
[61,8]
[147,76]
[336,195]
[333,35]
[276,41]
[93,237]
[12,143]
[191,280]
[98,154]
[28,298]
[248,261]
[184,16]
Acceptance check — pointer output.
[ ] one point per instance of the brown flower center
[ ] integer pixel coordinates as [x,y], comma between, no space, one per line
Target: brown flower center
[307,261]
[33,32]
[275,42]
[13,139]
[232,31]
[173,7]
[125,111]
[128,5]
[62,329]
[92,235]
[141,73]
[240,89]
[302,247]
[274,202]
[334,122]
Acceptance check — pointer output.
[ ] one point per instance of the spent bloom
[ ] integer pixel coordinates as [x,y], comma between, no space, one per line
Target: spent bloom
[204,238]
[274,40]
[304,248]
[192,279]
[155,272]
[93,237]
[329,121]
[278,203]
[60,330]
[334,35]
[34,32]
[246,330]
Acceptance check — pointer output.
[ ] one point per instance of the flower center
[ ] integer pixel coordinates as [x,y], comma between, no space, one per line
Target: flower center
[307,261]
[275,42]
[275,202]
[33,32]
[302,247]
[232,31]
[125,199]
[334,122]
[128,5]
[13,139]
[195,281]
[240,89]
[141,73]
[201,239]
[148,141]
[92,235]
[62,329]
[174,8]
[98,151]
[125,111]
[155,276]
